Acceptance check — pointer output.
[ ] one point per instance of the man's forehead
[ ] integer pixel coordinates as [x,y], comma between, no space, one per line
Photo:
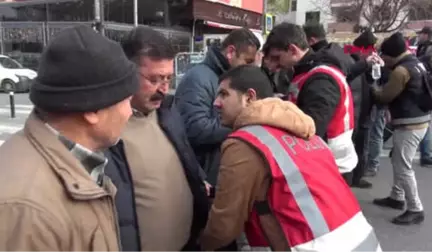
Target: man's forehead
[275,52]
[250,50]
[224,85]
[149,64]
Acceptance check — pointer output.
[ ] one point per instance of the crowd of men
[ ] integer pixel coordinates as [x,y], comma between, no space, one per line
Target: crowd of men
[234,161]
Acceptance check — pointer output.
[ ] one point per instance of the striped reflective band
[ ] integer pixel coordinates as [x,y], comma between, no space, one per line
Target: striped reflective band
[294,179]
[370,243]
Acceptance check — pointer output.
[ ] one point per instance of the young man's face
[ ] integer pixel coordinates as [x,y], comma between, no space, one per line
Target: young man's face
[241,56]
[230,103]
[285,59]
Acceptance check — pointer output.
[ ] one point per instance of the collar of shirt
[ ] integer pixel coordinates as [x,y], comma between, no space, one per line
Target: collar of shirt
[93,162]
[138,113]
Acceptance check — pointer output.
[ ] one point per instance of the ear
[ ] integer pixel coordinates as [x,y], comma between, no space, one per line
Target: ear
[293,49]
[251,95]
[230,51]
[91,117]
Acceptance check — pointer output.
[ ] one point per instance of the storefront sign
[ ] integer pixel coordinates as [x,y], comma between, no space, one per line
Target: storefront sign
[250,5]
[220,13]
[12,2]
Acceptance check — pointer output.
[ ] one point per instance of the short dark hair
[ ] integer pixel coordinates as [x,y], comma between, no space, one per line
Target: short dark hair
[144,41]
[314,31]
[247,77]
[286,34]
[241,39]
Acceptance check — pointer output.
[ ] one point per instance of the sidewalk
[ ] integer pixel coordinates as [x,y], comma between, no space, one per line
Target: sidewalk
[393,237]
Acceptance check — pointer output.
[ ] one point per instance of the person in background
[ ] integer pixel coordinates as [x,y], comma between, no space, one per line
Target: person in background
[58,198]
[354,70]
[402,94]
[277,178]
[365,45]
[197,90]
[425,42]
[162,199]
[319,88]
[425,50]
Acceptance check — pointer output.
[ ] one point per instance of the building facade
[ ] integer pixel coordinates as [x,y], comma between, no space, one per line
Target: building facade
[302,12]
[26,26]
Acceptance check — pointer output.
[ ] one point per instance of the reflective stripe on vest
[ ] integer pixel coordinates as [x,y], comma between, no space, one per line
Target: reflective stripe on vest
[340,128]
[344,230]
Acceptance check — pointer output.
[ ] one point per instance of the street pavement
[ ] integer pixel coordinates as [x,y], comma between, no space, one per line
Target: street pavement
[9,125]
[392,237]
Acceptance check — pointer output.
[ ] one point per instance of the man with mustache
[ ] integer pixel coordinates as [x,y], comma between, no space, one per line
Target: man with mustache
[161,198]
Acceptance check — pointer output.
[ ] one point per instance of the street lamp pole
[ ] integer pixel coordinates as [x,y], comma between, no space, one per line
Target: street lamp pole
[135,10]
[98,14]
[264,17]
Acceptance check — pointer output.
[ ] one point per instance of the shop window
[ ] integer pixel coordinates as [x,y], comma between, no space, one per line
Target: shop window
[150,12]
[293,5]
[312,17]
[81,10]
[344,14]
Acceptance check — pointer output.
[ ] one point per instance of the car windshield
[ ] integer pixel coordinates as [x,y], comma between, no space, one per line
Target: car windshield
[10,63]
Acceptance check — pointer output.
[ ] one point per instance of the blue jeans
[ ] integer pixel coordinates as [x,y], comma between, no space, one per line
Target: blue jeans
[426,145]
[376,133]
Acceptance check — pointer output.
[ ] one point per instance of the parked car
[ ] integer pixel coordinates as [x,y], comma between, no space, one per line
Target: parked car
[13,76]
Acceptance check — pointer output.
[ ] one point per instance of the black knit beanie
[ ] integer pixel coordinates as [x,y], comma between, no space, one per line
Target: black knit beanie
[82,71]
[394,46]
[365,40]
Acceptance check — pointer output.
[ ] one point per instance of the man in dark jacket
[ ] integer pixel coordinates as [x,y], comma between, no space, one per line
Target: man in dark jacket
[198,89]
[424,50]
[425,42]
[371,124]
[319,88]
[316,36]
[402,94]
[161,200]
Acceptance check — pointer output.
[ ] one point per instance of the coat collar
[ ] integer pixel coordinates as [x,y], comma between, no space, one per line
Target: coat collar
[76,180]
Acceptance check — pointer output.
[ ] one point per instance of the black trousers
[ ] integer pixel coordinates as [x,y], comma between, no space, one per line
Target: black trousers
[360,142]
[348,177]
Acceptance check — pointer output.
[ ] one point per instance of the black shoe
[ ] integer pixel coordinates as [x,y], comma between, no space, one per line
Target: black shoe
[409,218]
[391,203]
[362,184]
[426,162]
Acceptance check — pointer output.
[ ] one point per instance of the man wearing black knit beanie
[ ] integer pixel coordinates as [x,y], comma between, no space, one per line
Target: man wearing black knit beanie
[54,194]
[402,94]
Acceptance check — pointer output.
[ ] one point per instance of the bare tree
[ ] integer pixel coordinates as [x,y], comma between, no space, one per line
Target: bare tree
[381,15]
[421,10]
[386,15]
[278,6]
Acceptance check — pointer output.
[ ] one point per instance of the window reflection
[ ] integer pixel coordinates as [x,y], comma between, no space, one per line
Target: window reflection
[26,28]
[81,10]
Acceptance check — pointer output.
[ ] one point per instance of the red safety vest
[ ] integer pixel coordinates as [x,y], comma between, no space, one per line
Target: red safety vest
[308,197]
[340,129]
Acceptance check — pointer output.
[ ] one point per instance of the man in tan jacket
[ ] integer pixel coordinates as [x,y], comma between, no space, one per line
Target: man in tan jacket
[403,94]
[278,181]
[54,195]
